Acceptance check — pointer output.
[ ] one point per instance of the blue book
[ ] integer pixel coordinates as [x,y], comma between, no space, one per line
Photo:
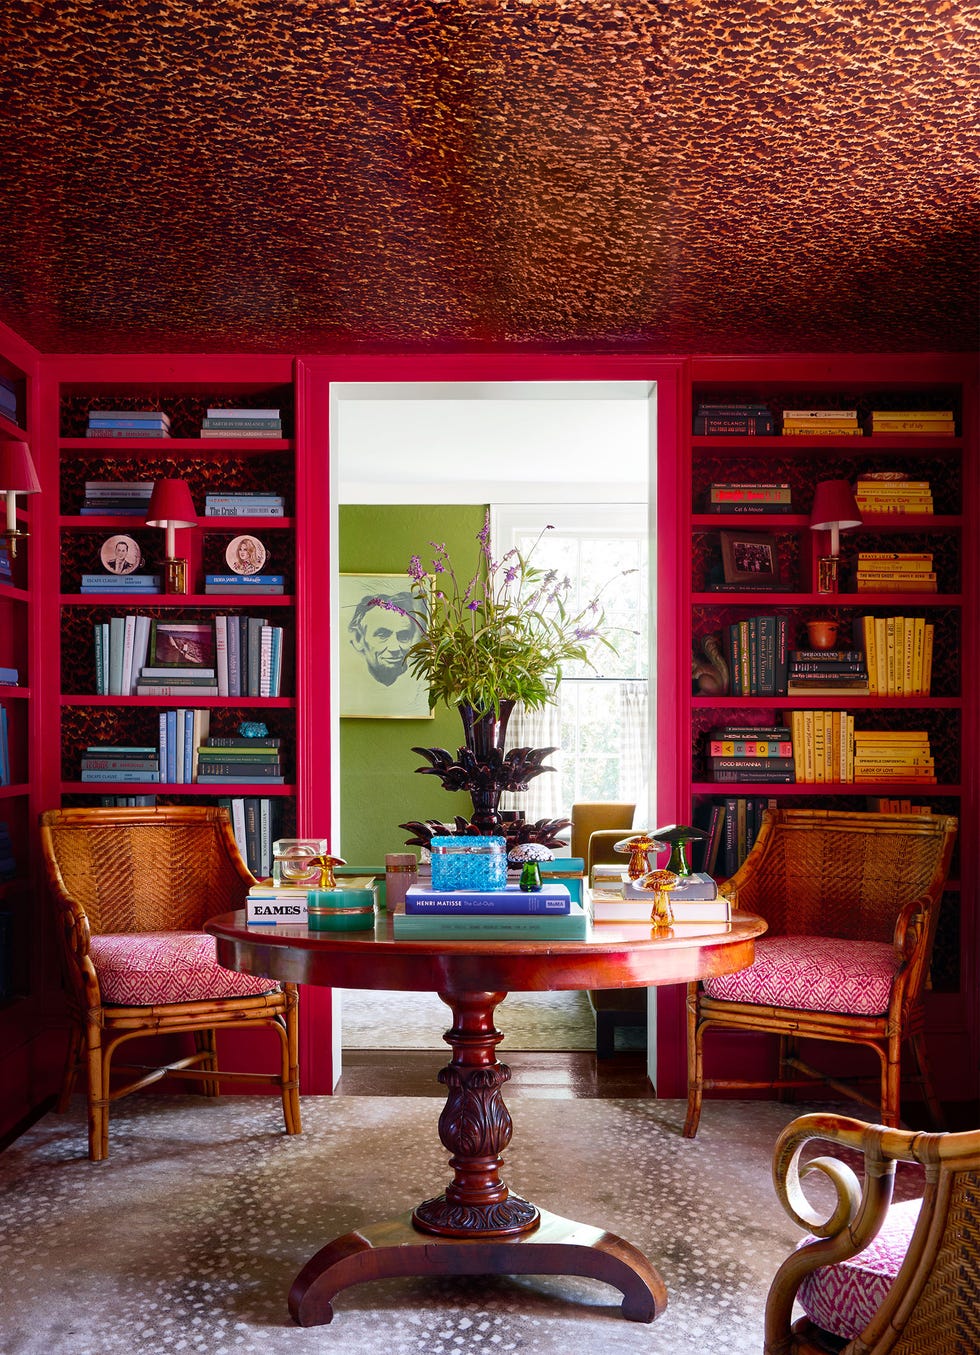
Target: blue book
[188,717]
[552,899]
[119,776]
[244,580]
[9,677]
[164,744]
[171,763]
[153,421]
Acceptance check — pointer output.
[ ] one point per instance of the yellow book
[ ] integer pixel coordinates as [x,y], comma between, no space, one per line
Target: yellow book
[849,764]
[927,660]
[881,655]
[870,655]
[918,647]
[818,747]
[890,651]
[908,656]
[899,656]
[796,733]
[809,775]
[838,720]
[829,746]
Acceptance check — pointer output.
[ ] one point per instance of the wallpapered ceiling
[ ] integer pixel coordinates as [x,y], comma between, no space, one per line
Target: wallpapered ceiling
[332,175]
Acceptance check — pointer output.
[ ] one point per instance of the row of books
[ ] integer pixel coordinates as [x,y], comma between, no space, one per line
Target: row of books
[749,417]
[828,749]
[933,422]
[757,655]
[893,496]
[899,653]
[256,822]
[735,418]
[128,423]
[744,753]
[244,505]
[242,423]
[895,572]
[741,497]
[246,657]
[184,755]
[4,748]
[732,826]
[116,498]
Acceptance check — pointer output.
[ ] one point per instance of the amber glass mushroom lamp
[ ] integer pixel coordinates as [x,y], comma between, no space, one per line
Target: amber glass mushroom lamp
[638,848]
[171,506]
[834,511]
[17,476]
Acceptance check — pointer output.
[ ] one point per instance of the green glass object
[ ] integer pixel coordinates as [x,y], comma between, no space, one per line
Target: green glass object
[530,877]
[677,836]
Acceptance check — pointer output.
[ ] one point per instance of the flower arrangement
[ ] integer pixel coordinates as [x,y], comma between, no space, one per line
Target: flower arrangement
[503,636]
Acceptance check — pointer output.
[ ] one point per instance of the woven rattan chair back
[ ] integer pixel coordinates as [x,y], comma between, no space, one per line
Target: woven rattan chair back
[933,1306]
[153,870]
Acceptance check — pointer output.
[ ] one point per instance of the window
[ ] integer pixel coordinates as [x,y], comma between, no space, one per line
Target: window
[600,722]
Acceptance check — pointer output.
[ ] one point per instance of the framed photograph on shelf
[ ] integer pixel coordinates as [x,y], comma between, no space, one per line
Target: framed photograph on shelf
[377,629]
[182,644]
[750,558]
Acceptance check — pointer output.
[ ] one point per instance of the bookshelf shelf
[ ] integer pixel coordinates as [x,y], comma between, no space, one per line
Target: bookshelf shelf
[764,789]
[147,601]
[175,788]
[175,446]
[807,446]
[14,791]
[169,702]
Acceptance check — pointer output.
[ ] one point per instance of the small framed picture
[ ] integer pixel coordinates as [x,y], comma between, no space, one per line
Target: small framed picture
[749,558]
[184,644]
[245,554]
[120,554]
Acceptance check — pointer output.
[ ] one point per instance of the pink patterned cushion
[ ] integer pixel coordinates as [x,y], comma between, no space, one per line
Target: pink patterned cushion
[814,974]
[139,969]
[844,1297]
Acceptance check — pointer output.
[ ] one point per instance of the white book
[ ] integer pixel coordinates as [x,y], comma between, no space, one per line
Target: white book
[201,730]
[268,912]
[265,662]
[238,822]
[265,836]
[129,636]
[141,642]
[179,778]
[117,634]
[221,653]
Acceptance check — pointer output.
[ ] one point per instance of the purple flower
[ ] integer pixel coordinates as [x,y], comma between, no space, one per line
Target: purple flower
[473,606]
[415,569]
[438,567]
[584,633]
[510,574]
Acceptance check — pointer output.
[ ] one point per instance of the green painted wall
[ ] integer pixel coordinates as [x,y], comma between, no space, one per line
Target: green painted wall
[379,787]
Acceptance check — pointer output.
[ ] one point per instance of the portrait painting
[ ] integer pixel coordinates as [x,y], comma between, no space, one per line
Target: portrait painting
[377,629]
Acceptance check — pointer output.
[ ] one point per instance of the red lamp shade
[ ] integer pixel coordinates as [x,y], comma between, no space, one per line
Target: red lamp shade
[17,473]
[834,510]
[171,505]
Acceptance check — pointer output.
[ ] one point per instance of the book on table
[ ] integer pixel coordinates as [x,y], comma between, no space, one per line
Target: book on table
[609,908]
[571,926]
[696,887]
[552,898]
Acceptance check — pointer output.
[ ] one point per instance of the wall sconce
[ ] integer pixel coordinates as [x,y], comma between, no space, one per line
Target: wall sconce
[834,511]
[17,476]
[171,506]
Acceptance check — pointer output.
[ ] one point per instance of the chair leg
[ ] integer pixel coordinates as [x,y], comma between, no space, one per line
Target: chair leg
[695,1064]
[290,1064]
[76,1038]
[789,1048]
[917,1041]
[205,1043]
[98,1094]
[891,1083]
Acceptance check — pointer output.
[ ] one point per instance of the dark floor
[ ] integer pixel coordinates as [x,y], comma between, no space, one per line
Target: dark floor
[402,1072]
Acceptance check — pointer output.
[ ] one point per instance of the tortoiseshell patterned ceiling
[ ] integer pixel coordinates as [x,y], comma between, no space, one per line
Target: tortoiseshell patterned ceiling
[336,175]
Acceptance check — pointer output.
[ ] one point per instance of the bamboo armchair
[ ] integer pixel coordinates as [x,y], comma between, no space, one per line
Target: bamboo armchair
[132,889]
[852,902]
[913,1285]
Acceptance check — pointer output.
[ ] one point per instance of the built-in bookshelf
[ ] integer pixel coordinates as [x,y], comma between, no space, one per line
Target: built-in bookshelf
[720,596]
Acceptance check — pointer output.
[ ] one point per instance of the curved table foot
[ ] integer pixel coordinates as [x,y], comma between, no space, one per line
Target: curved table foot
[557,1246]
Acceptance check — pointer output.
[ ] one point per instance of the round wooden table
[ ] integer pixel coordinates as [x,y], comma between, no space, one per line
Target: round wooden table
[477,1226]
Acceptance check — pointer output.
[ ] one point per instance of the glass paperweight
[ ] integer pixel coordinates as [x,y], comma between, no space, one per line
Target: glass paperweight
[469,862]
[297,861]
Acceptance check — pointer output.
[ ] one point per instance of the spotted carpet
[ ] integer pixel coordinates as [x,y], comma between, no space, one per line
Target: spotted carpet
[188,1238]
[382,1020]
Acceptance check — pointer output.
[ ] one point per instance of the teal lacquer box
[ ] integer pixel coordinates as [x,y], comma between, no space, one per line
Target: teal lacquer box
[341,910]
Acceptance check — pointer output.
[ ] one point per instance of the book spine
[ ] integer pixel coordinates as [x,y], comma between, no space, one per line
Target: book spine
[727,777]
[264,741]
[105,764]
[120,774]
[573,927]
[511,903]
[754,748]
[767,656]
[250,510]
[782,763]
[241,770]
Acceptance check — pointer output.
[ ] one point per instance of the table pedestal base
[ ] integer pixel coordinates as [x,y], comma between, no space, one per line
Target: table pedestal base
[476,1227]
[556,1247]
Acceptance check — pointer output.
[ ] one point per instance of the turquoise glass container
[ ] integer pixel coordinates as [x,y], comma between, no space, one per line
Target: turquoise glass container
[469,862]
[340,910]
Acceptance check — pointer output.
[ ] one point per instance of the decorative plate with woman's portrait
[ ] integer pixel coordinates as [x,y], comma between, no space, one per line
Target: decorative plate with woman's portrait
[245,554]
[120,554]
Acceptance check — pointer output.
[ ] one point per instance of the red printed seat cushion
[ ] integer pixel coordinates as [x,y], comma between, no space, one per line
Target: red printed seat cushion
[814,974]
[140,969]
[843,1298]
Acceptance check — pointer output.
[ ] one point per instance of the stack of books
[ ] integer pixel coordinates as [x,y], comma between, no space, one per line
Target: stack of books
[874,496]
[774,496]
[128,423]
[888,805]
[818,672]
[248,656]
[740,753]
[895,572]
[117,498]
[181,733]
[242,423]
[8,399]
[938,423]
[823,746]
[737,418]
[821,423]
[506,914]
[244,505]
[732,825]
[694,898]
[177,680]
[224,761]
[893,755]
[268,905]
[120,762]
[244,583]
[757,656]
[899,654]
[120,583]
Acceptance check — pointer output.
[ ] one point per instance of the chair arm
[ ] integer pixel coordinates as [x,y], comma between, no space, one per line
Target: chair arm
[855,1218]
[910,931]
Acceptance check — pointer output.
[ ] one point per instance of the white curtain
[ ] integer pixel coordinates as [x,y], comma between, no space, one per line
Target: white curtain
[634,742]
[538,729]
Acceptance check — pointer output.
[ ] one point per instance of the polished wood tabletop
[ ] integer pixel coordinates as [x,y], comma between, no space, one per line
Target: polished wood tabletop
[478,1226]
[614,956]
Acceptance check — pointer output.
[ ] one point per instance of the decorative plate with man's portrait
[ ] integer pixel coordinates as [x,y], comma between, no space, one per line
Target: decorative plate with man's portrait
[245,554]
[120,554]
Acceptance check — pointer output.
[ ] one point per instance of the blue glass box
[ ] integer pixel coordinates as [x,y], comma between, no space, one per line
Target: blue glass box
[469,862]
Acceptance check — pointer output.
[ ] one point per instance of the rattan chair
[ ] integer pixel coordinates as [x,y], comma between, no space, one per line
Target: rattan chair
[132,889]
[874,1276]
[852,902]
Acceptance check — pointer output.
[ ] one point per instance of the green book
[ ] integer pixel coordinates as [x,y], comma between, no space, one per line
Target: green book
[572,926]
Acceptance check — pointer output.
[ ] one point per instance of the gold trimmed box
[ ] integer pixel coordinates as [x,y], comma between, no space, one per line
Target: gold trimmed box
[350,908]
